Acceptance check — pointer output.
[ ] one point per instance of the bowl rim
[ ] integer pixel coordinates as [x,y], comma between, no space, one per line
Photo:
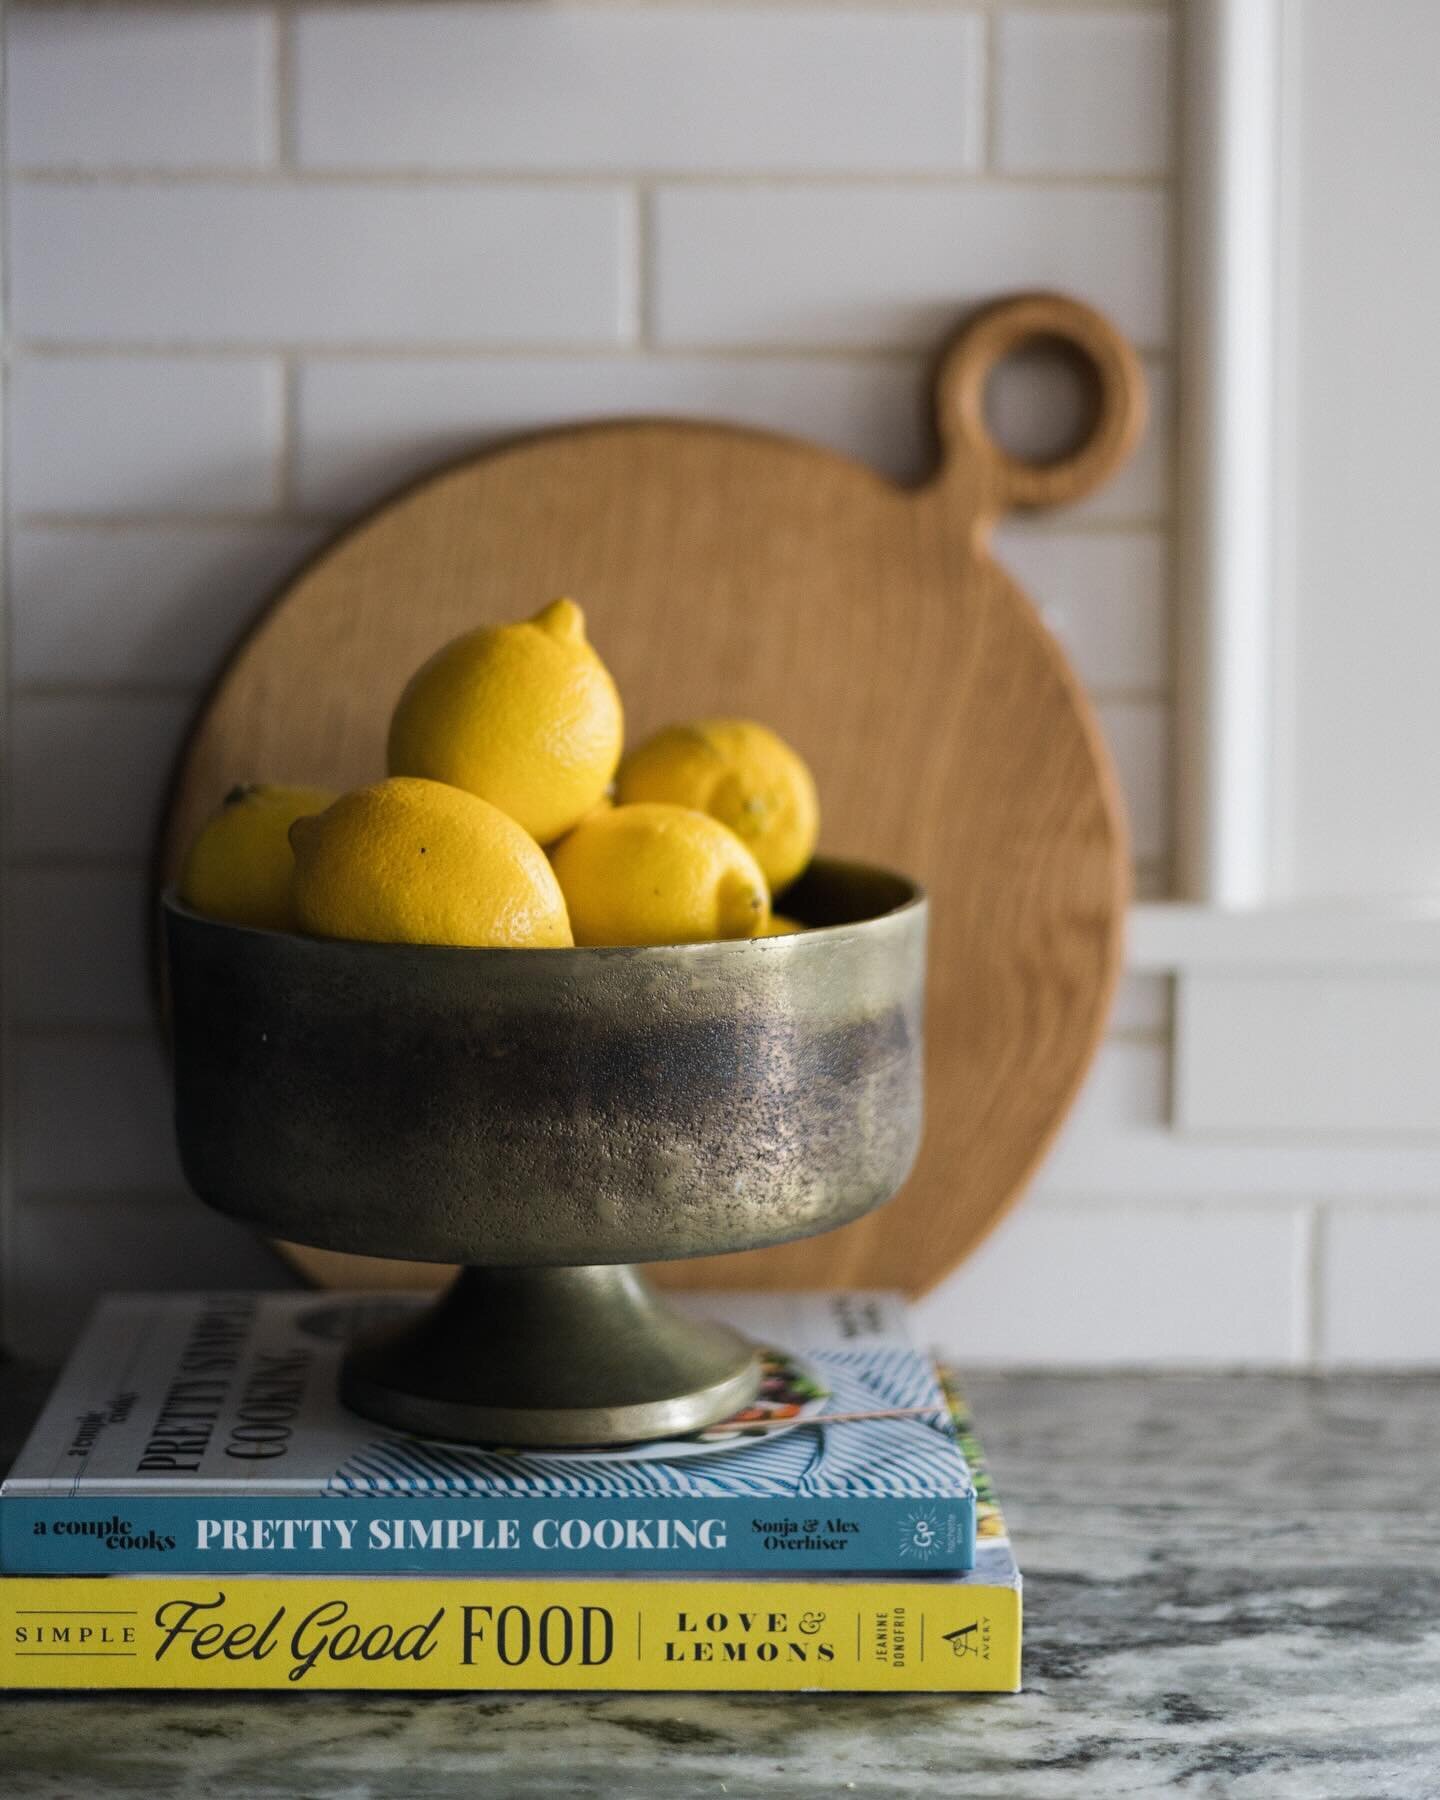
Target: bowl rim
[788,943]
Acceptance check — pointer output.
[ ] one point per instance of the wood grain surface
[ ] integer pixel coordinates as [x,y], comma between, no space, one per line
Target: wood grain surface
[725,570]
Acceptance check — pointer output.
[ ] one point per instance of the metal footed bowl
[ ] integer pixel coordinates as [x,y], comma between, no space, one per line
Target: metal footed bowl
[547,1118]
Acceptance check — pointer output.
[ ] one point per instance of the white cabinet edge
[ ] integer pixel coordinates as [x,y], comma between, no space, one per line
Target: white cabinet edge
[1230,158]
[1173,937]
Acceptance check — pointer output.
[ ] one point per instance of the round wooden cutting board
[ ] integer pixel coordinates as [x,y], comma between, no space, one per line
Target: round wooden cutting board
[730,571]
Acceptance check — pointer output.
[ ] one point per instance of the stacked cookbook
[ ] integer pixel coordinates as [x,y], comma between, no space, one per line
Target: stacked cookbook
[195,1509]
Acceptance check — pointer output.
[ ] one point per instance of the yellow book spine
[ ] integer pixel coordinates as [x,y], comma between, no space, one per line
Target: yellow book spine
[298,1633]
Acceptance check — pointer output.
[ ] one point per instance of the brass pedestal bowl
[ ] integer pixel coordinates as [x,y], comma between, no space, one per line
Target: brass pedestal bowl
[548,1118]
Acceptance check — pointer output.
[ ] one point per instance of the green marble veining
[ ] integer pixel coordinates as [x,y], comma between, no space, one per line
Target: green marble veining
[1232,1589]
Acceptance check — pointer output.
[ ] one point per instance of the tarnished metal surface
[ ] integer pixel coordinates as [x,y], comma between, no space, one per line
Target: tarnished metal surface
[552,1357]
[554,1107]
[546,1115]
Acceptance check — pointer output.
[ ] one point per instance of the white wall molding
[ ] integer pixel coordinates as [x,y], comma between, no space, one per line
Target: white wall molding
[1174,939]
[1297,1017]
[1306,725]
[1228,161]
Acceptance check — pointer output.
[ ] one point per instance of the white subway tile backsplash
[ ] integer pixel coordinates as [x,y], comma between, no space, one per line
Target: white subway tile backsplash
[70,1250]
[1127,1089]
[1142,1005]
[1219,1284]
[1310,1052]
[76,945]
[365,426]
[87,773]
[1083,93]
[791,265]
[144,434]
[1144,1161]
[93,1114]
[1138,732]
[140,603]
[457,256]
[325,263]
[1104,595]
[1377,1293]
[139,87]
[769,89]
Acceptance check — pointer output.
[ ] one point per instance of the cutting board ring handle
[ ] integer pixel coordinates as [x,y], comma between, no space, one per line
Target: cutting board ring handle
[965,368]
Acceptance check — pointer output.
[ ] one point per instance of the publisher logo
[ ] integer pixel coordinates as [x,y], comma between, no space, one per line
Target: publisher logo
[970,1640]
[921,1536]
[964,1641]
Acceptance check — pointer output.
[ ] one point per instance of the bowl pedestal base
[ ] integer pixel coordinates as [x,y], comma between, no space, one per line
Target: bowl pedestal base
[540,1357]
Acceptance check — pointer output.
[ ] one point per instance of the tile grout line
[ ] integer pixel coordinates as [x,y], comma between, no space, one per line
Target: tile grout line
[56,862]
[644,266]
[118,1197]
[283,175]
[1315,1246]
[1161,356]
[287,454]
[282,88]
[87,1030]
[87,862]
[286,518]
[44,519]
[40,1026]
[124,689]
[990,91]
[1179,1202]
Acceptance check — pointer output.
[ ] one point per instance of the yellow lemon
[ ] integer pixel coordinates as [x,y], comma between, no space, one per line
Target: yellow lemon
[780,926]
[417,862]
[526,716]
[659,875]
[740,773]
[240,865]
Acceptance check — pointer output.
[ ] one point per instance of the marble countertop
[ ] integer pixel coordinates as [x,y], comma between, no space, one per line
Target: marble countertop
[1232,1588]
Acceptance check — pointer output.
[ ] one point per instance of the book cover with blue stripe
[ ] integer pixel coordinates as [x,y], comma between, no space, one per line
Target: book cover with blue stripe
[203,1433]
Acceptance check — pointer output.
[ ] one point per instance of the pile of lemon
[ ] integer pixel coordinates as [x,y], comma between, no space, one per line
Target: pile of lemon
[509,817]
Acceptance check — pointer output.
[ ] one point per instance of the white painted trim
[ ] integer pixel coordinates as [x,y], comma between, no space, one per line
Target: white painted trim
[1170,939]
[1284,450]
[1229,157]
[7,1061]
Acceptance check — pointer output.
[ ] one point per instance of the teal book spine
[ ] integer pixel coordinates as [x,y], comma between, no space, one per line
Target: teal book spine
[300,1535]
